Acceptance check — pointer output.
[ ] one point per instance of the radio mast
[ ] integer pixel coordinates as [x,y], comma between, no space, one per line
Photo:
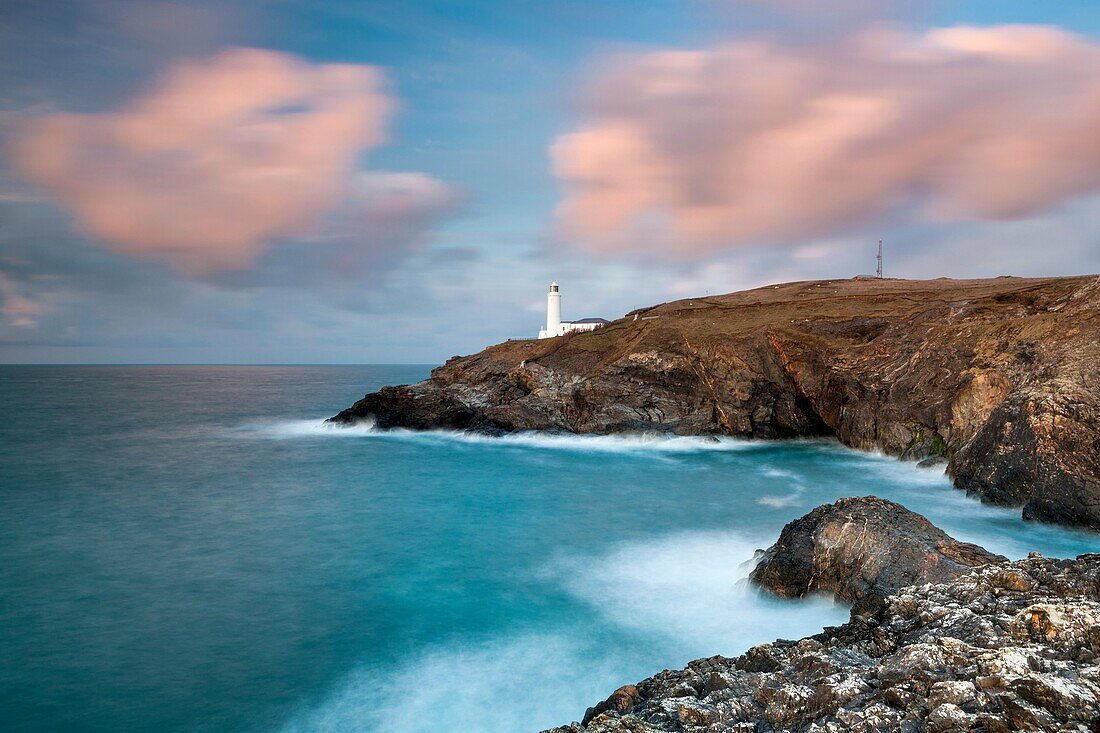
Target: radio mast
[878,270]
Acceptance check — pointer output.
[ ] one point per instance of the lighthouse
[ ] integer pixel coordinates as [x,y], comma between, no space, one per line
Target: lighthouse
[553,310]
[555,326]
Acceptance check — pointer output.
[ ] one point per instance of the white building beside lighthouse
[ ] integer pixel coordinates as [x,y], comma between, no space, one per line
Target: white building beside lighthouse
[555,326]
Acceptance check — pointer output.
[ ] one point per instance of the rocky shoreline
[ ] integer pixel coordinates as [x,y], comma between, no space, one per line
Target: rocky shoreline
[998,646]
[999,379]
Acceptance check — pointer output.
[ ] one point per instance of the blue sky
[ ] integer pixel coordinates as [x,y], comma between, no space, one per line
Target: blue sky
[449,239]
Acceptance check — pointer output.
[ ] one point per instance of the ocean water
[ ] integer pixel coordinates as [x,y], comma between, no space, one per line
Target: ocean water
[189,549]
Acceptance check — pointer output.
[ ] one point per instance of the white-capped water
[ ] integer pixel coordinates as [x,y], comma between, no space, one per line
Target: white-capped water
[617,443]
[691,587]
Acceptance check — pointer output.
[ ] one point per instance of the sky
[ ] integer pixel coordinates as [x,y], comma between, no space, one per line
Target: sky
[329,181]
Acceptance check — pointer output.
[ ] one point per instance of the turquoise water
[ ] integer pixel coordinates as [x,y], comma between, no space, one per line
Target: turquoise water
[187,549]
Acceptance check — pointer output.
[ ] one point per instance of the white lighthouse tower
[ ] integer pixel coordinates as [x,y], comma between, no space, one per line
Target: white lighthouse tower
[555,326]
[553,310]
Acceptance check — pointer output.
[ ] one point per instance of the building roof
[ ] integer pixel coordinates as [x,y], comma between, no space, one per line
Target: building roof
[592,320]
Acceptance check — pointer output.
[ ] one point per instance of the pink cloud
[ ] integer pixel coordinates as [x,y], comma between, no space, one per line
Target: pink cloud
[19,311]
[691,151]
[217,159]
[385,196]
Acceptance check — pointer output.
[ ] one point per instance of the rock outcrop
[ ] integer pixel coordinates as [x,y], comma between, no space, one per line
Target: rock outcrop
[861,547]
[1007,647]
[999,378]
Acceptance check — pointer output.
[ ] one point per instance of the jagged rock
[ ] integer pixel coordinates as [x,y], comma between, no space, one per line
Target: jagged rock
[999,378]
[967,655]
[621,700]
[860,547]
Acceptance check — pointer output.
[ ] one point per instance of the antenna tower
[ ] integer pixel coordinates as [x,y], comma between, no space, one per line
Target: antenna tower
[878,270]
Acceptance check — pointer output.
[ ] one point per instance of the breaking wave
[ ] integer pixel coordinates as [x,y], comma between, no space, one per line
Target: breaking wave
[524,683]
[293,429]
[619,443]
[692,589]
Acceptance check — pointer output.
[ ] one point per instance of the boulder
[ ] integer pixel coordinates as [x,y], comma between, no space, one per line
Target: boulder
[861,547]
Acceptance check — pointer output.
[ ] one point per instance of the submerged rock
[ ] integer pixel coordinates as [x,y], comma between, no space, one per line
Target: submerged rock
[861,547]
[1006,647]
[999,378]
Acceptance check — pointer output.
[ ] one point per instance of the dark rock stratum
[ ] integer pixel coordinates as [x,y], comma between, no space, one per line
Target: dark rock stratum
[999,378]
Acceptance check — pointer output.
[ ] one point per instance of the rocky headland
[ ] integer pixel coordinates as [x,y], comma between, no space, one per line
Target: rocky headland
[973,643]
[999,379]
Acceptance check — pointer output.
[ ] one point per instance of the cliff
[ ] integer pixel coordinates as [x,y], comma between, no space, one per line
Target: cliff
[999,378]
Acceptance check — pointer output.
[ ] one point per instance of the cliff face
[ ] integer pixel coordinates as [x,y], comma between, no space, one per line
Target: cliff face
[1000,378]
[1011,646]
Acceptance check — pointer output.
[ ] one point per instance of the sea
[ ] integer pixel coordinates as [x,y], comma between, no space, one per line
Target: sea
[190,548]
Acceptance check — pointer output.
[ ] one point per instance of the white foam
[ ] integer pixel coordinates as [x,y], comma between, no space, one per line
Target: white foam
[290,429]
[777,502]
[527,683]
[618,443]
[690,588]
[791,480]
[640,443]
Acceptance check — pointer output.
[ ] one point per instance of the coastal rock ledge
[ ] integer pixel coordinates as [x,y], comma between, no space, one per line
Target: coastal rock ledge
[1007,647]
[998,378]
[862,548]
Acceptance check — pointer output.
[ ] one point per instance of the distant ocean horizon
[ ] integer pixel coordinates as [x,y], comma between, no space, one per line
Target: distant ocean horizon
[187,547]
